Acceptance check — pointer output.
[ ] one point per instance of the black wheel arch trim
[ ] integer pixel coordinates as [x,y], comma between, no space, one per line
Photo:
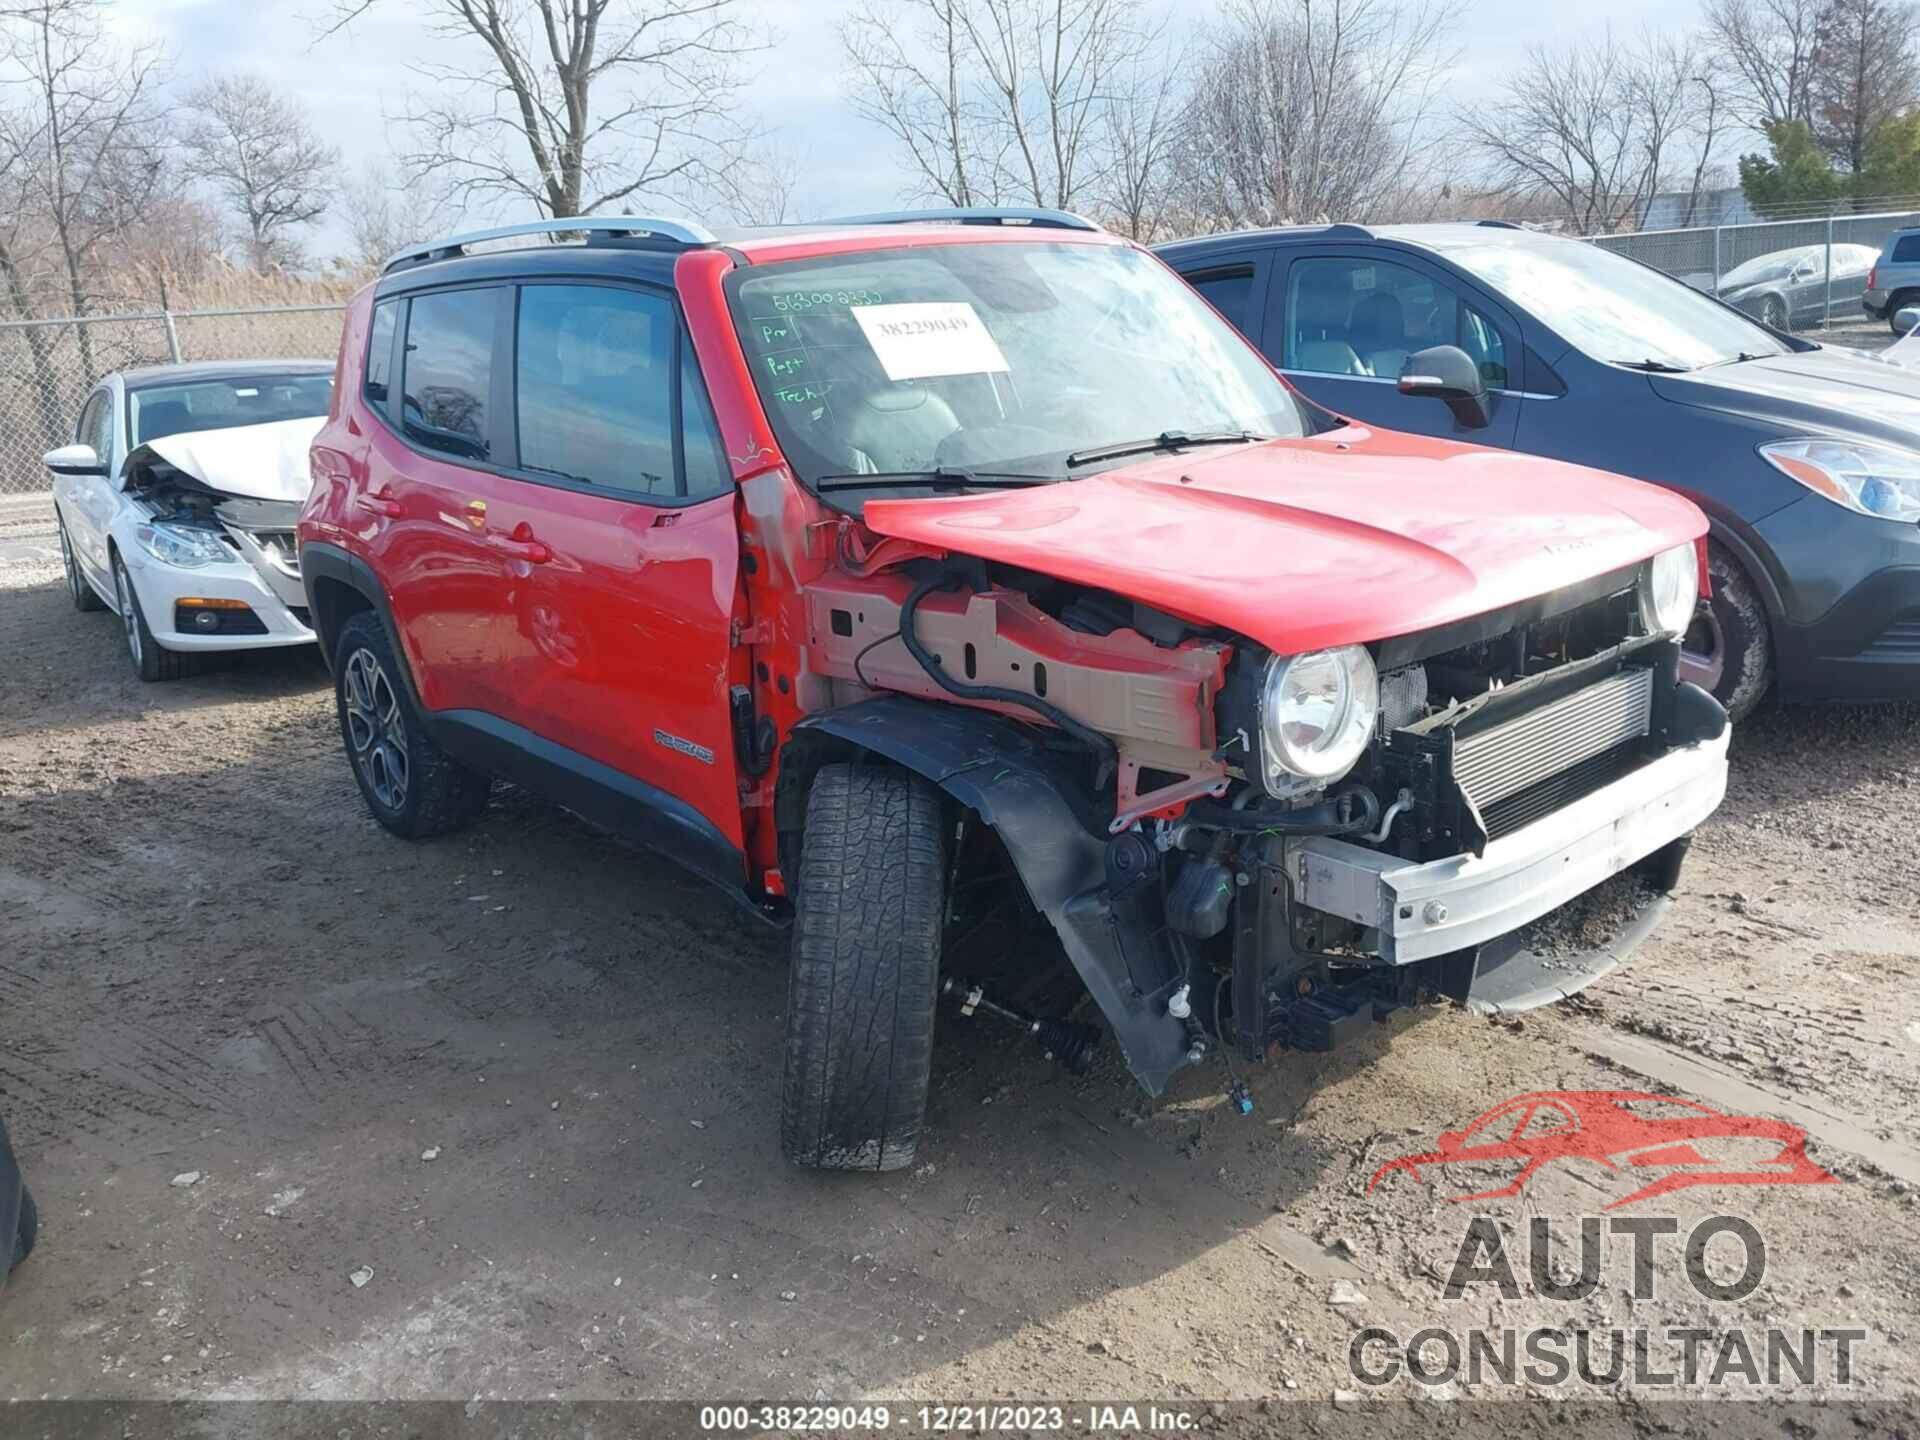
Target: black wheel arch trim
[1036,799]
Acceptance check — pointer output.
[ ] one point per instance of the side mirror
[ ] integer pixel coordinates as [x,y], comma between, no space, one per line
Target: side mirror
[1906,320]
[74,460]
[1446,372]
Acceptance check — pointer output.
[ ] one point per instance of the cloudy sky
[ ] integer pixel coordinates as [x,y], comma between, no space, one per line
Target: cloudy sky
[351,83]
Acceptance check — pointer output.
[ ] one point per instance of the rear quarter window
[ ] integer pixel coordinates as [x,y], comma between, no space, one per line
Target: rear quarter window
[1906,250]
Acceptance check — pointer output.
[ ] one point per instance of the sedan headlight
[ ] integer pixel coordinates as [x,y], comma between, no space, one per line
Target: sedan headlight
[184,545]
[1876,480]
[1317,712]
[1669,590]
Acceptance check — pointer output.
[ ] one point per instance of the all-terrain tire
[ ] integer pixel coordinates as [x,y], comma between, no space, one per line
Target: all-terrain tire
[79,589]
[435,794]
[150,660]
[868,917]
[28,1231]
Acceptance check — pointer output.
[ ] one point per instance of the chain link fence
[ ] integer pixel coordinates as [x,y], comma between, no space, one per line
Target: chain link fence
[47,367]
[1791,272]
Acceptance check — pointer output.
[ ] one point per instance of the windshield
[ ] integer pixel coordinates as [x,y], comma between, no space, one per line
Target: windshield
[994,357]
[162,410]
[1614,309]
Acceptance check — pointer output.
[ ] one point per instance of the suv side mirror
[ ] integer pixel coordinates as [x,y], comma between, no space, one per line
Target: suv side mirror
[1446,372]
[73,460]
[1906,320]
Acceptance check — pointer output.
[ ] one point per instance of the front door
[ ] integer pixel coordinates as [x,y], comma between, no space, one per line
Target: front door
[627,568]
[1340,328]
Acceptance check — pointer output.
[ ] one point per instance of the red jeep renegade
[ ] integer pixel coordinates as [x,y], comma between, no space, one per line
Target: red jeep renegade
[874,567]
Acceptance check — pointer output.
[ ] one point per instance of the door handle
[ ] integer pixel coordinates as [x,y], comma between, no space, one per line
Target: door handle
[382,505]
[520,546]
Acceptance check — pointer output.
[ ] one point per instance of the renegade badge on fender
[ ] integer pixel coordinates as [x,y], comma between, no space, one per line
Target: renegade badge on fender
[877,566]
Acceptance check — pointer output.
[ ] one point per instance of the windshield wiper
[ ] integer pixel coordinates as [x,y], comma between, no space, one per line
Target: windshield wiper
[1655,367]
[940,477]
[1165,440]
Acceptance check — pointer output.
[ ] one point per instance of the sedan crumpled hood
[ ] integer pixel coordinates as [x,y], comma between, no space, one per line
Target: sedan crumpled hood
[1338,539]
[260,462]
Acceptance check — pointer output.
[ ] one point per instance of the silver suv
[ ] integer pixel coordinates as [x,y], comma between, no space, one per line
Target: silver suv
[1894,281]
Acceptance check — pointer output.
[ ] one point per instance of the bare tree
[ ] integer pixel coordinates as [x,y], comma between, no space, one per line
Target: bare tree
[1865,73]
[256,150]
[758,189]
[86,138]
[1142,128]
[1594,127]
[998,100]
[911,64]
[1767,46]
[1306,111]
[382,218]
[572,106]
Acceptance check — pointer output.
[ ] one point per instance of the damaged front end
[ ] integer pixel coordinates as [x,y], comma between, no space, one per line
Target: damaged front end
[212,502]
[1211,891]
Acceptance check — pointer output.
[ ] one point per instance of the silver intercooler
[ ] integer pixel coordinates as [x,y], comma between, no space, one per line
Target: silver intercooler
[1506,758]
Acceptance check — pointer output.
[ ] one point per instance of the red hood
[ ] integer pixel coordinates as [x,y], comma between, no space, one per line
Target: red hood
[1343,538]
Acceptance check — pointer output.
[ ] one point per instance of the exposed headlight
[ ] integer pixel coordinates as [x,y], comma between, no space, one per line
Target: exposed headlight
[1316,715]
[1876,480]
[184,545]
[1669,590]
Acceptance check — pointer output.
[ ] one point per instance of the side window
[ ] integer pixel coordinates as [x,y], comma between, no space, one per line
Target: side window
[96,426]
[380,350]
[1229,291]
[1906,249]
[448,372]
[706,459]
[1363,317]
[594,379]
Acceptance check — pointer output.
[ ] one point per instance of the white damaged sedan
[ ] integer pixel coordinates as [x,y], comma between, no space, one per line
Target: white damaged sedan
[177,500]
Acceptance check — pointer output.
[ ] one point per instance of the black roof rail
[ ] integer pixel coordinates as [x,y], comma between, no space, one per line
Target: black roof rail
[1501,224]
[1341,230]
[680,232]
[972,215]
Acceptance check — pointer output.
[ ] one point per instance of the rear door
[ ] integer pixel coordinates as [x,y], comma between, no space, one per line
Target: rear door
[625,585]
[434,491]
[1341,324]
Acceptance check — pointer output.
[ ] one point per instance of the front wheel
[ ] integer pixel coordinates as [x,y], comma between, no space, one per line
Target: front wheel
[411,785]
[868,918]
[1773,312]
[150,660]
[1728,650]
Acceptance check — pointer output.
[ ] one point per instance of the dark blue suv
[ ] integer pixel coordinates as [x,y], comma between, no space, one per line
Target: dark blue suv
[1806,458]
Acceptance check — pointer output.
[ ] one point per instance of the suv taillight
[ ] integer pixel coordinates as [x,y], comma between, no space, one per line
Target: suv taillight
[1873,277]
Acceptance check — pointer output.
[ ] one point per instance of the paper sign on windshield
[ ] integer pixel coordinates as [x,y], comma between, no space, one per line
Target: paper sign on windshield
[920,341]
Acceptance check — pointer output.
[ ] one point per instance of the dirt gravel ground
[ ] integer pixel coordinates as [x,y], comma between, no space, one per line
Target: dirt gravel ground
[522,1084]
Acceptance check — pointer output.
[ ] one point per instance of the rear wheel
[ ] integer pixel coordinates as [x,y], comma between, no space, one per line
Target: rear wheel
[1728,650]
[866,962]
[411,785]
[79,589]
[150,659]
[29,1228]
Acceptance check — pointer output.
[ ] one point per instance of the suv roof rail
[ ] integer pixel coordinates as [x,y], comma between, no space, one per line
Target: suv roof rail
[1345,230]
[683,232]
[1501,224]
[973,215]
